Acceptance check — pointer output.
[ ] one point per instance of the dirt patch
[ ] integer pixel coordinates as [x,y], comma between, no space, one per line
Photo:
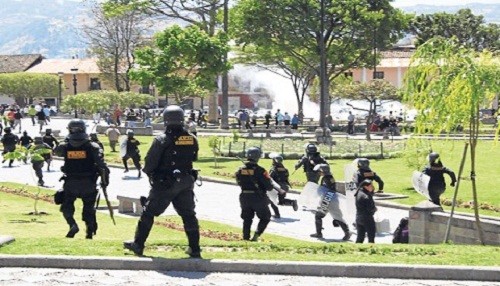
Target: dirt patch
[226,236]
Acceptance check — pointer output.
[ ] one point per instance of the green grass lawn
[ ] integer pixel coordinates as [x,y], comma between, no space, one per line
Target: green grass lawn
[44,235]
[395,173]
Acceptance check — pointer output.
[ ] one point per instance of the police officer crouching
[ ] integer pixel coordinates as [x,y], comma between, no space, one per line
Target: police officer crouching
[83,163]
[169,166]
[254,182]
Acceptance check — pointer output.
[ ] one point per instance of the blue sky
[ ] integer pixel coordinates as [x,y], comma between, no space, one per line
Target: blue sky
[401,3]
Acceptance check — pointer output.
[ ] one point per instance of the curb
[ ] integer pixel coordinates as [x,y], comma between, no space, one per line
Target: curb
[353,270]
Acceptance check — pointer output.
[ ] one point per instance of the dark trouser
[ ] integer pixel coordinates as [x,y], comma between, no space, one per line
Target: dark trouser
[267,124]
[6,151]
[182,197]
[112,144]
[252,204]
[312,177]
[136,158]
[281,197]
[294,126]
[37,166]
[350,127]
[366,225]
[85,189]
[435,192]
[275,208]
[33,119]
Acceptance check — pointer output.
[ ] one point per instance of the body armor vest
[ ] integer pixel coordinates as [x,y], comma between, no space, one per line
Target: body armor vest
[179,155]
[79,160]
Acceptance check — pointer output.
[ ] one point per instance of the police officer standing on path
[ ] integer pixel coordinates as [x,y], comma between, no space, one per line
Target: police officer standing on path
[436,172]
[364,172]
[309,160]
[83,163]
[169,166]
[365,209]
[254,182]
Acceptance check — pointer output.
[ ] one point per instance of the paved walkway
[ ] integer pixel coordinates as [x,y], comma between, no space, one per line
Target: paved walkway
[54,276]
[215,202]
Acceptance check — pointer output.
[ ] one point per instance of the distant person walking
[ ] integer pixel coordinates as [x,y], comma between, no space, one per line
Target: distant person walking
[295,121]
[113,135]
[32,113]
[350,123]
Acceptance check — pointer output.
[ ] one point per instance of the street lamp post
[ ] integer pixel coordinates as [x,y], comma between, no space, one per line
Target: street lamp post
[324,96]
[59,100]
[74,71]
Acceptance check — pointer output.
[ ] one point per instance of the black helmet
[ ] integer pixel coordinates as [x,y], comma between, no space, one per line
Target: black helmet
[173,115]
[7,130]
[48,131]
[93,136]
[365,182]
[323,168]
[433,157]
[311,148]
[253,154]
[76,128]
[278,159]
[130,133]
[363,163]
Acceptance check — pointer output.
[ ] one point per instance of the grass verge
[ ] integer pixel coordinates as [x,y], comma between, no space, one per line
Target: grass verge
[44,235]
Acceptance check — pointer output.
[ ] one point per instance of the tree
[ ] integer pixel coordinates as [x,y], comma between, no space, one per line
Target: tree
[292,29]
[24,86]
[95,101]
[112,38]
[375,92]
[470,30]
[183,63]
[447,83]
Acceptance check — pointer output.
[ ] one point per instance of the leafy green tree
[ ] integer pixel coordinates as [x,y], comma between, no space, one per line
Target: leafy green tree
[183,63]
[447,83]
[292,30]
[469,29]
[374,92]
[24,86]
[94,101]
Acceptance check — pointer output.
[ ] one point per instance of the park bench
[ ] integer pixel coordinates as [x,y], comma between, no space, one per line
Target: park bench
[128,204]
[101,129]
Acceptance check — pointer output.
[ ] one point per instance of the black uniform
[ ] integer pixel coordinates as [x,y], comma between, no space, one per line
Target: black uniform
[25,140]
[308,162]
[365,209]
[9,142]
[280,175]
[83,162]
[132,153]
[254,182]
[366,173]
[437,185]
[169,166]
[52,142]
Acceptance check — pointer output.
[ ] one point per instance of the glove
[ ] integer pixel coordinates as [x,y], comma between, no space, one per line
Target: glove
[105,177]
[452,184]
[296,167]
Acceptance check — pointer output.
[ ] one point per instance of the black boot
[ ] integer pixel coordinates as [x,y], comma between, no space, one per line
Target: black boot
[246,229]
[345,228]
[319,228]
[134,247]
[73,230]
[193,250]
[256,236]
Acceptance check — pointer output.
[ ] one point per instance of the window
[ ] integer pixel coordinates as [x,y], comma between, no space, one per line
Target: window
[348,74]
[95,84]
[378,75]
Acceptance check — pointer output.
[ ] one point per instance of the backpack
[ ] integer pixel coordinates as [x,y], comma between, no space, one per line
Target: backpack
[401,234]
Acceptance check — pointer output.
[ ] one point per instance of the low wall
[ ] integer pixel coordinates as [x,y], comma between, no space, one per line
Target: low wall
[101,129]
[428,224]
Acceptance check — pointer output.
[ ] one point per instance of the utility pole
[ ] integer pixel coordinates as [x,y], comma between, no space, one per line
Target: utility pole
[225,85]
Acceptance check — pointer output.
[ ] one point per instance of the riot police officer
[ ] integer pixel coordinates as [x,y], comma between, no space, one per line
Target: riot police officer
[83,163]
[132,152]
[364,172]
[280,175]
[435,171]
[169,166]
[254,182]
[328,181]
[309,160]
[365,209]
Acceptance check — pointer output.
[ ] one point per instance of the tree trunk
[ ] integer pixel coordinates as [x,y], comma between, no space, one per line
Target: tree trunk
[473,134]
[369,121]
[300,105]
